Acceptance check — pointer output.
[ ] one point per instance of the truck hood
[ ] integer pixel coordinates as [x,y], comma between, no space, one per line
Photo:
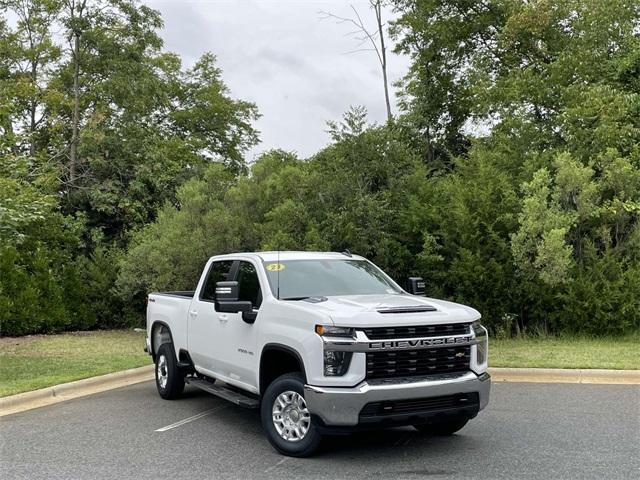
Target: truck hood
[363,310]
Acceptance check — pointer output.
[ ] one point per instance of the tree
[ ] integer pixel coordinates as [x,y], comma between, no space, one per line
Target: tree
[99,127]
[374,38]
[555,85]
[534,220]
[30,56]
[118,119]
[171,252]
[448,41]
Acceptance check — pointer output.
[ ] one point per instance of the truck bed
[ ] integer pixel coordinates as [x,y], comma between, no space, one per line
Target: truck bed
[178,293]
[172,309]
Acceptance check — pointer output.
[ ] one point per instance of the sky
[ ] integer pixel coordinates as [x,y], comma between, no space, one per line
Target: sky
[282,56]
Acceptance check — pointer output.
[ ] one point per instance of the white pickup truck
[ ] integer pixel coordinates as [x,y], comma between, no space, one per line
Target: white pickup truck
[321,343]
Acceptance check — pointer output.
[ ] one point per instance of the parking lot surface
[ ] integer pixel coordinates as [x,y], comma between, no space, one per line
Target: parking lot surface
[529,431]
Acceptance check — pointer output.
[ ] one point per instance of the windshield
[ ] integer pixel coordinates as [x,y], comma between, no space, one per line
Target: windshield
[323,278]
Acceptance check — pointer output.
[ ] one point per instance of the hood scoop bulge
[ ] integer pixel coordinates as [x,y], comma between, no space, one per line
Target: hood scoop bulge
[410,309]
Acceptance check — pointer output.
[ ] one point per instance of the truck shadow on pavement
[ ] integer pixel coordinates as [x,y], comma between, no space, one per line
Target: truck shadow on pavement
[382,444]
[391,440]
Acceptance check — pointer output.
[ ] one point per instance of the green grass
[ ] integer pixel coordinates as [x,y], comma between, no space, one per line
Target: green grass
[38,361]
[29,363]
[619,353]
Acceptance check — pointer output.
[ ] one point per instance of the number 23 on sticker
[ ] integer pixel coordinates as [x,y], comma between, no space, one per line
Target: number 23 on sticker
[275,267]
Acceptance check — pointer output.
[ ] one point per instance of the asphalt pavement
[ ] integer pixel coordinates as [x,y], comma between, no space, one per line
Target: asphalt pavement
[544,431]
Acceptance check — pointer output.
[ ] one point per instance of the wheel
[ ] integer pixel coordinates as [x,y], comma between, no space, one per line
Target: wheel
[169,380]
[285,418]
[441,429]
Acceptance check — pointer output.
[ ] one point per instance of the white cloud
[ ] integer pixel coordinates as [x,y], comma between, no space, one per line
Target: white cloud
[283,57]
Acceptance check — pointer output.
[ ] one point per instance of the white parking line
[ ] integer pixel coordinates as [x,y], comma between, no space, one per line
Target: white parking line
[276,465]
[189,419]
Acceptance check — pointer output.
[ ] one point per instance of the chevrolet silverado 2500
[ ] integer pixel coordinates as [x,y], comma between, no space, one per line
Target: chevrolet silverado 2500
[321,343]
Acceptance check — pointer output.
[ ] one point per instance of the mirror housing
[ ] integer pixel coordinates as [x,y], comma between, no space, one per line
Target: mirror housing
[416,286]
[234,307]
[227,299]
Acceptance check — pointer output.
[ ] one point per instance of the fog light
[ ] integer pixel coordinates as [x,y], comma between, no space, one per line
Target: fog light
[336,364]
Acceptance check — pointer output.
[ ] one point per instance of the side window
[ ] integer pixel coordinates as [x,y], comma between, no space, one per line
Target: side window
[218,272]
[248,284]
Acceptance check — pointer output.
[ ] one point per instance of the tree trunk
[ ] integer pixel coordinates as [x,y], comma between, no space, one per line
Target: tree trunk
[75,123]
[32,110]
[383,62]
[430,152]
[378,47]
[73,147]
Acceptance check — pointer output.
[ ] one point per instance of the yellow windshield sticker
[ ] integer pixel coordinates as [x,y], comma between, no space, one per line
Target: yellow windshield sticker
[275,267]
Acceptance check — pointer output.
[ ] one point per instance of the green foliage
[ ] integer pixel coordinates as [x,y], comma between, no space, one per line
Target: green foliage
[46,284]
[170,253]
[118,119]
[602,297]
[33,237]
[445,40]
[510,183]
[98,129]
[539,245]
[30,297]
[466,253]
[557,86]
[347,196]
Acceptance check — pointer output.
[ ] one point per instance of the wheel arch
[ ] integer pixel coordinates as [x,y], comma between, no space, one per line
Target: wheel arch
[160,334]
[284,359]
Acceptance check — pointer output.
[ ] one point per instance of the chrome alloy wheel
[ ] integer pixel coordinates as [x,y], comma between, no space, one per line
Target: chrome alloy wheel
[290,416]
[163,373]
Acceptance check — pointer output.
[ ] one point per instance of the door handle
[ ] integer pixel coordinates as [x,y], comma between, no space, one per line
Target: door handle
[223,317]
[193,313]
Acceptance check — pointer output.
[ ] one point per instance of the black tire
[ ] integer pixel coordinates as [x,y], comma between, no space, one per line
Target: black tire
[308,444]
[443,428]
[169,379]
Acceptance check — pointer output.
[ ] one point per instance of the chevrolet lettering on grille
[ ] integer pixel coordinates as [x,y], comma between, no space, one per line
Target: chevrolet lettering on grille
[420,343]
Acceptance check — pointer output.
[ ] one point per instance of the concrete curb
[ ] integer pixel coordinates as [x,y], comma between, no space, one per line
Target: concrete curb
[562,375]
[79,388]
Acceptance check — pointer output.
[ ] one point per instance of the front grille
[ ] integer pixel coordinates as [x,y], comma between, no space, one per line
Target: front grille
[420,405]
[405,363]
[382,333]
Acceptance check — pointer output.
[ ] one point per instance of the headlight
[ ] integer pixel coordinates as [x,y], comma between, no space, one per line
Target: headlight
[482,347]
[336,364]
[323,330]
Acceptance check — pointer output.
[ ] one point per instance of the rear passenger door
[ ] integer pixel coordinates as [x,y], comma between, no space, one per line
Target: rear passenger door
[240,358]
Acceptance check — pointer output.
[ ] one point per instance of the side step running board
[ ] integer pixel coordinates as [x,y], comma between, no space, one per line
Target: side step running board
[234,396]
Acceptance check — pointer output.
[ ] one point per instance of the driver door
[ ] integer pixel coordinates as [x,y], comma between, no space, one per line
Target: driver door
[205,325]
[240,357]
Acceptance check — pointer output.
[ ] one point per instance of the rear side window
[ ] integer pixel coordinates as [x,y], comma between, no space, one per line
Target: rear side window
[248,284]
[218,272]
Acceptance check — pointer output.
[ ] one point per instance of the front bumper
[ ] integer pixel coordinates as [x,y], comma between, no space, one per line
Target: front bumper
[341,407]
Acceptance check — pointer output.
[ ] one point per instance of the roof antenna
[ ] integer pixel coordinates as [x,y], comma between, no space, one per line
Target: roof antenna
[346,252]
[278,275]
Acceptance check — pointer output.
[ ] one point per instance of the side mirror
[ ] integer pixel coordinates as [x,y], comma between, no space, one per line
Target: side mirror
[416,285]
[227,299]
